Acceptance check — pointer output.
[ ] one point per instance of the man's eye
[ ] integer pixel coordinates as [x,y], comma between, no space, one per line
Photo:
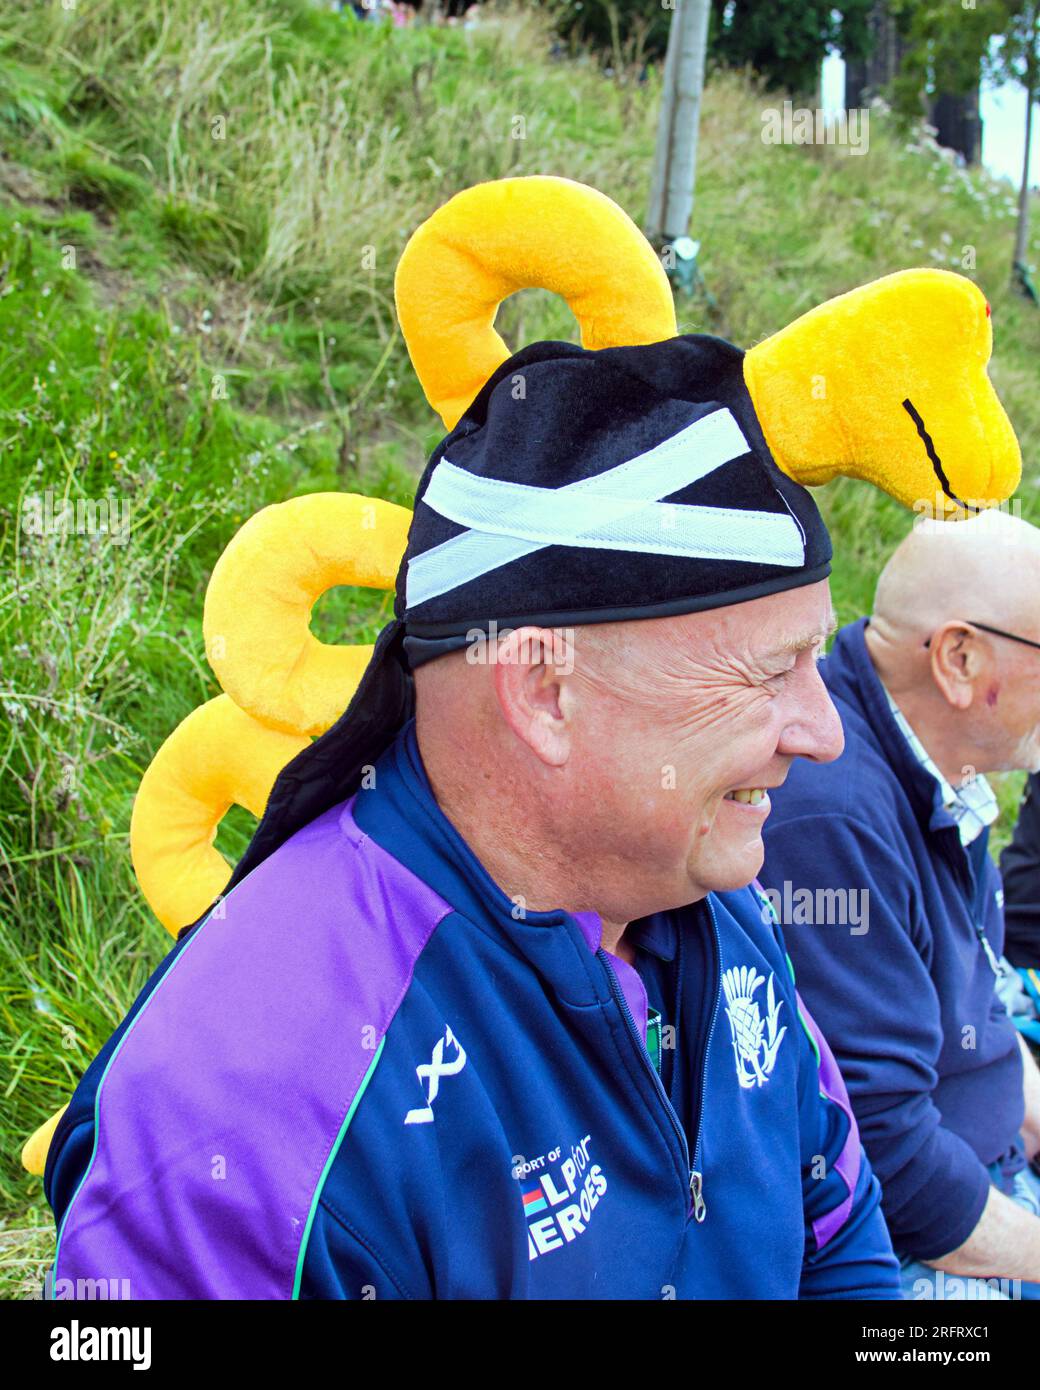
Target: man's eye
[781,676]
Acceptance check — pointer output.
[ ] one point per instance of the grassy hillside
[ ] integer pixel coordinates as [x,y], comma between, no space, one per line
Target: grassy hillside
[201,208]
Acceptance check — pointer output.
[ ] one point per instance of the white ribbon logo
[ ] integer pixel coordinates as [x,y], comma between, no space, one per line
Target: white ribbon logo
[431,1073]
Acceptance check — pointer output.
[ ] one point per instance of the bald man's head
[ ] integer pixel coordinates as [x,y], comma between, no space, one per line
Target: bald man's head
[973,696]
[987,567]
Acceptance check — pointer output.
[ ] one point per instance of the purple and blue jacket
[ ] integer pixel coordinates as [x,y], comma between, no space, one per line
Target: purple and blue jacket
[369,1073]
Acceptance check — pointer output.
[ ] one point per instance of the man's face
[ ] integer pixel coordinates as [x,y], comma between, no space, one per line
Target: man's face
[687,725]
[1006,707]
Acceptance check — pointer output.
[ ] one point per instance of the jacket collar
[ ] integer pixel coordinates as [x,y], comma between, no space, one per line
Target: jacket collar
[397,808]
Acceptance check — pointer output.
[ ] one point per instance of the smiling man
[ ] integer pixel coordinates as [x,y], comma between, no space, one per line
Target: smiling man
[490,1010]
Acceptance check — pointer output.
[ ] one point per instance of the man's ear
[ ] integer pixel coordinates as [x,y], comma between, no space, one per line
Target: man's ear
[529,676]
[956,661]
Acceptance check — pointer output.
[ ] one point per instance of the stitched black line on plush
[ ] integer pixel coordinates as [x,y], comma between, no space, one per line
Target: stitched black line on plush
[940,472]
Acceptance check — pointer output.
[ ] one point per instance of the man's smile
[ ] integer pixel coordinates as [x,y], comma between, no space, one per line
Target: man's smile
[748,796]
[749,802]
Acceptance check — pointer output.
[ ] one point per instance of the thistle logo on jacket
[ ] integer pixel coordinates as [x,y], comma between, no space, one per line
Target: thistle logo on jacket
[756,1042]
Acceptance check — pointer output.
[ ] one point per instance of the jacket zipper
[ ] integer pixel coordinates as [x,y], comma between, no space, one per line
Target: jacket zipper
[975,897]
[698,1207]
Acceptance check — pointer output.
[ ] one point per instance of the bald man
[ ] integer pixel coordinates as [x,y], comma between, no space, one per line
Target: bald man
[892,909]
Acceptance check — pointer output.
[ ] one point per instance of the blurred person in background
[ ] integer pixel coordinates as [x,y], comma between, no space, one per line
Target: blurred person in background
[1020,870]
[939,686]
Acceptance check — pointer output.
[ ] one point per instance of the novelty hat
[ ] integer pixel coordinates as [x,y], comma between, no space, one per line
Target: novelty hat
[639,475]
[585,487]
[643,474]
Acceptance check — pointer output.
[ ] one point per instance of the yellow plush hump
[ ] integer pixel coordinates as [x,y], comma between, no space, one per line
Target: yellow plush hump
[216,758]
[888,383]
[257,615]
[496,238]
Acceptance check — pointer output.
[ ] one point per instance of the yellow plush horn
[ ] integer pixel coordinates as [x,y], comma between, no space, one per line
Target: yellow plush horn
[217,757]
[281,684]
[258,604]
[889,383]
[496,238]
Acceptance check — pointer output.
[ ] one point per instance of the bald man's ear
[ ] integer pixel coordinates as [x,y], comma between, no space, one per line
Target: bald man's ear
[530,668]
[956,661]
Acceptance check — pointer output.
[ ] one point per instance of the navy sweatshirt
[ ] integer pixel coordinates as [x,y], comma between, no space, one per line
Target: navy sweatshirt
[899,980]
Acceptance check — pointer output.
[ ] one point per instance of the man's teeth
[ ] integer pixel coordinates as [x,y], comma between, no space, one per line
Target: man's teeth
[751,795]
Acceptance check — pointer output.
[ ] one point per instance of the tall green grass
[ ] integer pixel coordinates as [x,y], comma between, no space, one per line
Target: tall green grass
[201,208]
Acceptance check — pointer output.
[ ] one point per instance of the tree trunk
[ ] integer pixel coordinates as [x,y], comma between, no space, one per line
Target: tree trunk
[867,77]
[1022,230]
[675,158]
[958,126]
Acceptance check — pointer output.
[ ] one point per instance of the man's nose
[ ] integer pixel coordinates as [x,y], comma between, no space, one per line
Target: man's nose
[814,730]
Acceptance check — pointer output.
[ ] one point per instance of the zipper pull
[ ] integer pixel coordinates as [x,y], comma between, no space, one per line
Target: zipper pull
[987,949]
[700,1209]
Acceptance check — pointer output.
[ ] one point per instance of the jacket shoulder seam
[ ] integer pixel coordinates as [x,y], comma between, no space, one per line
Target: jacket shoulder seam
[367,1245]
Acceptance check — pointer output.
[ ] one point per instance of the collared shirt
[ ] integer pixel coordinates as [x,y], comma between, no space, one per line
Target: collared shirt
[972,805]
[656,942]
